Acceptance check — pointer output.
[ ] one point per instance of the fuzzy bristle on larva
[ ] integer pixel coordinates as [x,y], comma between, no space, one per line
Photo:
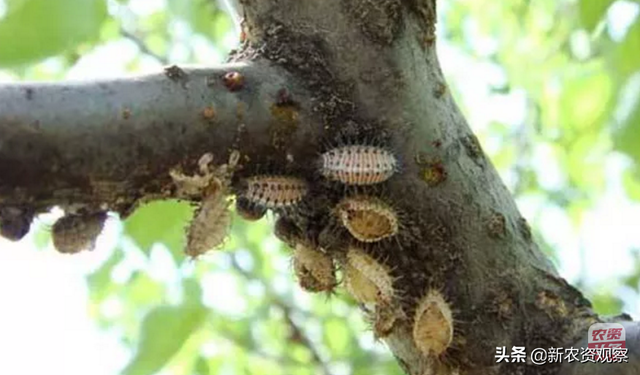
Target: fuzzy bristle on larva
[358,164]
[314,269]
[368,219]
[368,280]
[275,192]
[433,324]
[77,232]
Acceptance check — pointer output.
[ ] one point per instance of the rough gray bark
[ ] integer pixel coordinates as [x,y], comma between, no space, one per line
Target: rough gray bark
[319,72]
[110,144]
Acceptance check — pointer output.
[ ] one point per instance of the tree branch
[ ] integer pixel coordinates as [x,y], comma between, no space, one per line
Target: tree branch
[297,334]
[109,143]
[142,46]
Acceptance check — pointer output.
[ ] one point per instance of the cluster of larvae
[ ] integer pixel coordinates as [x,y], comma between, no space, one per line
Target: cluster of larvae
[368,219]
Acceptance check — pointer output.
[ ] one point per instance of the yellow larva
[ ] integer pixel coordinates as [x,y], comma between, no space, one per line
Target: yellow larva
[77,232]
[371,284]
[368,280]
[433,324]
[368,219]
[275,192]
[358,164]
[359,286]
[314,269]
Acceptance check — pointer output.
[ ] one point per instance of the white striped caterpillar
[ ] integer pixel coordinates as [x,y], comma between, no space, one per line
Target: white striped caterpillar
[358,164]
[275,192]
[314,269]
[73,233]
[368,219]
[433,324]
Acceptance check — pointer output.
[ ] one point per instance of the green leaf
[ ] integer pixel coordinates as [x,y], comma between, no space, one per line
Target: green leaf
[142,290]
[633,280]
[631,183]
[36,29]
[41,236]
[628,57]
[162,221]
[592,11]
[586,99]
[627,137]
[201,367]
[203,16]
[606,304]
[14,5]
[164,330]
[337,337]
[101,278]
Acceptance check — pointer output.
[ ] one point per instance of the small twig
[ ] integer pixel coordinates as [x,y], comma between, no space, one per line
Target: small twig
[257,351]
[142,46]
[233,9]
[297,332]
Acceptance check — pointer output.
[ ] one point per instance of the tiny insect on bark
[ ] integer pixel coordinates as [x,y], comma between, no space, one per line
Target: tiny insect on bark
[368,280]
[77,232]
[433,324]
[368,219]
[212,219]
[275,192]
[14,223]
[314,269]
[210,225]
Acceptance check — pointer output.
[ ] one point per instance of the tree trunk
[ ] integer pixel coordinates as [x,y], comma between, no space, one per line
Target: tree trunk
[314,75]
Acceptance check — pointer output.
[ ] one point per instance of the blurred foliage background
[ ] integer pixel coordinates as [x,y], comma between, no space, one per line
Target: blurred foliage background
[552,88]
